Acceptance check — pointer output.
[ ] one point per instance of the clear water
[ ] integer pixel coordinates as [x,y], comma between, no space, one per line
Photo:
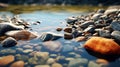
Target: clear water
[49,22]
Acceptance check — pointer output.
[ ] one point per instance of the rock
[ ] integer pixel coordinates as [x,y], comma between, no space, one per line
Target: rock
[86,24]
[18,64]
[27,51]
[71,20]
[47,36]
[68,36]
[56,65]
[67,48]
[5,60]
[101,11]
[116,35]
[104,46]
[104,33]
[81,38]
[90,29]
[8,51]
[115,26]
[68,30]
[5,27]
[61,60]
[102,61]
[27,47]
[77,62]
[111,11]
[93,64]
[42,55]
[59,29]
[96,16]
[42,66]
[53,55]
[21,35]
[50,61]
[22,57]
[9,42]
[53,46]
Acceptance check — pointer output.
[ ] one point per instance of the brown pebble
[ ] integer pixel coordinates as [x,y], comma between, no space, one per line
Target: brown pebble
[5,60]
[18,64]
[59,29]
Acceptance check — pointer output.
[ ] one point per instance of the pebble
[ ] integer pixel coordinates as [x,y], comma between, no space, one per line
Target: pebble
[102,61]
[27,50]
[5,60]
[93,64]
[68,36]
[50,61]
[59,29]
[56,65]
[116,35]
[77,62]
[68,30]
[42,66]
[18,64]
[27,47]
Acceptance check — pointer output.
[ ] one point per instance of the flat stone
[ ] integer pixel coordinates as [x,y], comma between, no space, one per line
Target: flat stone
[77,62]
[56,65]
[5,60]
[18,64]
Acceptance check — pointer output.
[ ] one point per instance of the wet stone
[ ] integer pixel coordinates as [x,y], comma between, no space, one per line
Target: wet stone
[42,66]
[116,35]
[59,29]
[68,30]
[115,26]
[27,47]
[68,36]
[86,24]
[18,64]
[104,33]
[9,42]
[93,64]
[56,65]
[77,62]
[67,48]
[27,50]
[50,61]
[53,55]
[5,60]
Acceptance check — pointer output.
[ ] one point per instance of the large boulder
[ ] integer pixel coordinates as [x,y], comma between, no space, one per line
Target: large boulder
[21,35]
[102,46]
[5,27]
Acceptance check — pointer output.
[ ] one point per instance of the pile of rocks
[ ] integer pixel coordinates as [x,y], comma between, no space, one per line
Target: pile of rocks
[103,25]
[14,29]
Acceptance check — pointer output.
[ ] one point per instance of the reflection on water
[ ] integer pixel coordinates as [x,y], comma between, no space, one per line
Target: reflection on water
[68,53]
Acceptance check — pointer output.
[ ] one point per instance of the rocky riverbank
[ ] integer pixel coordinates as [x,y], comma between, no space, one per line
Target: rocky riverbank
[97,32]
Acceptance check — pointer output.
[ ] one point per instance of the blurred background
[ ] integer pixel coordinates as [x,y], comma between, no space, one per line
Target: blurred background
[63,2]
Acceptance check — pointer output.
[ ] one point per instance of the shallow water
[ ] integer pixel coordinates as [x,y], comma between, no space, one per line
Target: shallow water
[49,22]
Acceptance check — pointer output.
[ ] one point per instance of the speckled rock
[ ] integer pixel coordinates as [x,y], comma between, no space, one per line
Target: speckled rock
[18,64]
[104,46]
[5,60]
[9,42]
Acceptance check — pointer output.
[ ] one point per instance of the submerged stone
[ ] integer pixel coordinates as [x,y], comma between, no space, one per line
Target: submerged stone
[5,60]
[18,64]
